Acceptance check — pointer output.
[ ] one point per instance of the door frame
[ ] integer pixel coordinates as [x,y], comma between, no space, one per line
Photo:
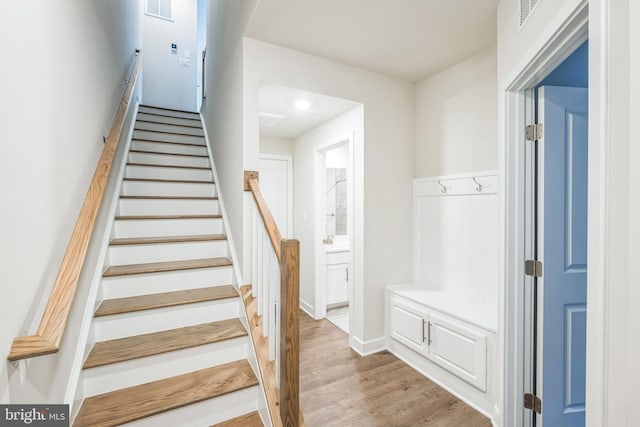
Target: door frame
[289,160]
[320,309]
[517,226]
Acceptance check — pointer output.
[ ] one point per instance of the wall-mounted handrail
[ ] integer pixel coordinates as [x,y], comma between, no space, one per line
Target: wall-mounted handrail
[287,252]
[54,319]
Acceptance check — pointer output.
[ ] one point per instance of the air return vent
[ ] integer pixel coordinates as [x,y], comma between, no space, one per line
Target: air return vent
[526,7]
[270,120]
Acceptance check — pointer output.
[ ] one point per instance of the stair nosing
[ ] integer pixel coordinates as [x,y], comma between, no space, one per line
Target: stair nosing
[173,117]
[244,417]
[169,197]
[165,266]
[164,217]
[130,241]
[208,168]
[177,181]
[162,153]
[170,109]
[169,395]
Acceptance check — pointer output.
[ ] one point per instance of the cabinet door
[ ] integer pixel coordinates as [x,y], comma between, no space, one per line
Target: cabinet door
[337,279]
[459,350]
[408,327]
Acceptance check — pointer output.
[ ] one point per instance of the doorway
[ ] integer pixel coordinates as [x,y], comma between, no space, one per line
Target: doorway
[334,216]
[556,266]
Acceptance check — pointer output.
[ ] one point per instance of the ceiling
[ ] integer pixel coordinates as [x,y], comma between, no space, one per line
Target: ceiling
[407,39]
[281,101]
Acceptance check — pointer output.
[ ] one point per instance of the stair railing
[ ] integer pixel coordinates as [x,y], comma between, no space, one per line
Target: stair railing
[276,288]
[56,313]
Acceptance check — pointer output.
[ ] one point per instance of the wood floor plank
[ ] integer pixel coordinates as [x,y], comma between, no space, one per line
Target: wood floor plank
[167,239]
[145,217]
[165,299]
[157,267]
[340,388]
[129,348]
[251,419]
[133,403]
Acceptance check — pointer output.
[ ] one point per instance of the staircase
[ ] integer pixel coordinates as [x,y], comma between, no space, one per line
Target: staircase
[170,349]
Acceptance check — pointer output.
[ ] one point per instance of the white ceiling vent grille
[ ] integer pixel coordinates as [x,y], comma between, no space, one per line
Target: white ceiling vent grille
[270,120]
[160,9]
[526,7]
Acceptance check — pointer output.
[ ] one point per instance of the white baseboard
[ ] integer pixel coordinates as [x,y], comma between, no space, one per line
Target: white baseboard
[307,308]
[366,348]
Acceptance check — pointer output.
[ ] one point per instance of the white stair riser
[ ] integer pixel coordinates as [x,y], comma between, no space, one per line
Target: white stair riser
[161,319]
[168,148]
[206,413]
[151,188]
[158,172]
[163,127]
[116,376]
[159,252]
[165,159]
[167,207]
[169,113]
[151,283]
[166,227]
[168,120]
[167,137]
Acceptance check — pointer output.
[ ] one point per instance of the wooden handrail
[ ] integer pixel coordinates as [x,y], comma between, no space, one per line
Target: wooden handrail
[267,217]
[288,254]
[54,319]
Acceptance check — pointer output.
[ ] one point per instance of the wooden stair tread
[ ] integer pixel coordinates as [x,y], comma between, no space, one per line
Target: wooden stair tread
[145,217]
[167,239]
[171,197]
[164,153]
[179,181]
[129,348]
[165,299]
[163,115]
[137,402]
[158,267]
[195,113]
[151,165]
[252,419]
[166,132]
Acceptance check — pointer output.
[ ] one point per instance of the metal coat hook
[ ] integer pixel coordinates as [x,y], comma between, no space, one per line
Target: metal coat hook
[479,186]
[444,188]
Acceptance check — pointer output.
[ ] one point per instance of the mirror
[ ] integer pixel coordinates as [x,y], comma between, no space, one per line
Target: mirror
[336,197]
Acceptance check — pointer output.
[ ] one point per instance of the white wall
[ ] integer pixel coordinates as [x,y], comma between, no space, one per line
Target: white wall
[166,83]
[281,146]
[305,210]
[456,118]
[223,110]
[338,157]
[383,255]
[60,92]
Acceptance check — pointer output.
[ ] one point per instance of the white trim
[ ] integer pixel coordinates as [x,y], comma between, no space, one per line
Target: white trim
[307,308]
[367,348]
[538,62]
[289,159]
[82,348]
[223,211]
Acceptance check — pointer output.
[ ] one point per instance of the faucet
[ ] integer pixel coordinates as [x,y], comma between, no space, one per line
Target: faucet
[328,240]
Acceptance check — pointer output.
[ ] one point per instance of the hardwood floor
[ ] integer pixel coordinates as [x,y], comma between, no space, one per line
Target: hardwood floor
[340,388]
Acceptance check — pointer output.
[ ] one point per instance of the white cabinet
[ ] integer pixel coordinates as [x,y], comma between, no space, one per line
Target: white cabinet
[337,284]
[447,342]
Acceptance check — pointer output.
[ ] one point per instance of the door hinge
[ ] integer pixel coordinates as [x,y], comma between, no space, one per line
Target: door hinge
[533,403]
[533,132]
[533,268]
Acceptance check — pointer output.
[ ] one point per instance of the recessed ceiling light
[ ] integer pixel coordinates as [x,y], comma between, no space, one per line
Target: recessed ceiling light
[302,104]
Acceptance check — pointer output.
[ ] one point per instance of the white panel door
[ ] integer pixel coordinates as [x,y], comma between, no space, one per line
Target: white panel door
[275,183]
[562,240]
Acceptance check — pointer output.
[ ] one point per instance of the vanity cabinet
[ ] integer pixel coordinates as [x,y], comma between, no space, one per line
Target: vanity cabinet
[337,279]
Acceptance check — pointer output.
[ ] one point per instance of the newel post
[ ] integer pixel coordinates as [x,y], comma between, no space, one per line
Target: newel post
[290,332]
